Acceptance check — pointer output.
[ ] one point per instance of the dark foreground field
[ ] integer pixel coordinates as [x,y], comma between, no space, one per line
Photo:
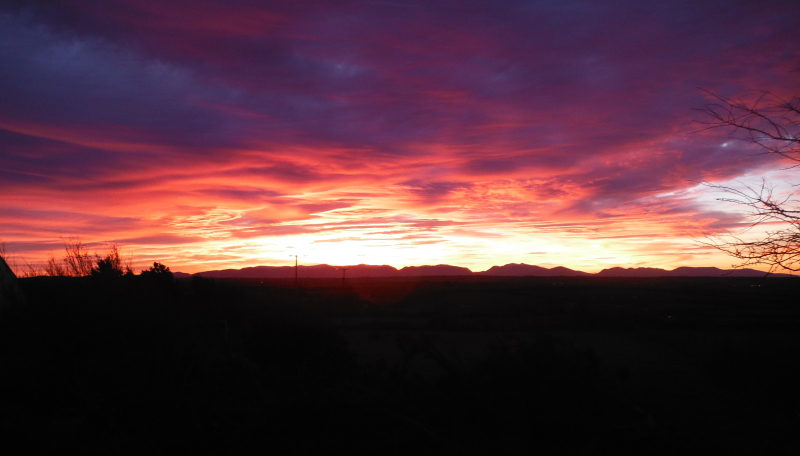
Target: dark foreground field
[477,365]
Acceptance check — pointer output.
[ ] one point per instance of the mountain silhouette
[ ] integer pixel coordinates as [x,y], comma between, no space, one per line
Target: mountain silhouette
[522,269]
[685,271]
[326,271]
[438,270]
[633,272]
[368,270]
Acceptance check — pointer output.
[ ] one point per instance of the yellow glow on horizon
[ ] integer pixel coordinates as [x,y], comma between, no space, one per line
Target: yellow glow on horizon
[478,233]
[478,254]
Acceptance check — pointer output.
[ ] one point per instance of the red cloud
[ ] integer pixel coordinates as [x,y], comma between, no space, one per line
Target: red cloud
[229,127]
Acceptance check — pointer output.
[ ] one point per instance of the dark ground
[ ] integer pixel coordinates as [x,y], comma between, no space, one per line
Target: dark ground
[448,365]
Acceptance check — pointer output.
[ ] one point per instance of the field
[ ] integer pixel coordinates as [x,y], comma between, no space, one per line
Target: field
[434,365]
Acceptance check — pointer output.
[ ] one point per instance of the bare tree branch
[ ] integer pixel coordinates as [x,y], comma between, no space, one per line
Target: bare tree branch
[774,125]
[77,259]
[769,122]
[779,248]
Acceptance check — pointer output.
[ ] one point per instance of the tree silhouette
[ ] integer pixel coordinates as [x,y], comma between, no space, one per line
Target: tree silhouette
[109,267]
[54,268]
[77,258]
[159,274]
[773,124]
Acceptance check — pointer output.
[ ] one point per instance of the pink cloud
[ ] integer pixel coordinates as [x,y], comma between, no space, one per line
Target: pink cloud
[202,123]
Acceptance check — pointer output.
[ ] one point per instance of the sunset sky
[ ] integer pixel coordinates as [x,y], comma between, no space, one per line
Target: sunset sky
[209,134]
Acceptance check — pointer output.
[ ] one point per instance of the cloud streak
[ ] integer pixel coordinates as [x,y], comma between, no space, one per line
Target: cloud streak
[231,133]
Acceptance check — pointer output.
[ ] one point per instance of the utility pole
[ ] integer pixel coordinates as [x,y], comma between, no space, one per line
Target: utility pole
[296,283]
[295,271]
[344,270]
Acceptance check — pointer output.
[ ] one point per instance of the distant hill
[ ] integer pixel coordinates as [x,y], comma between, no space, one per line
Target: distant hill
[522,269]
[326,271]
[438,270]
[319,271]
[368,270]
[684,272]
[633,272]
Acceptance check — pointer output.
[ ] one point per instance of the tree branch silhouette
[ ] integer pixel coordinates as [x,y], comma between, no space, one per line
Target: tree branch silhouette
[773,124]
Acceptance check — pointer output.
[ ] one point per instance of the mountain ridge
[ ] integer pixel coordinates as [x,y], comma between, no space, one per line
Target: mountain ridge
[322,271]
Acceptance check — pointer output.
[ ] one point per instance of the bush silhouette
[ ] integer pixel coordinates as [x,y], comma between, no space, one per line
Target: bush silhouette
[77,259]
[105,270]
[159,275]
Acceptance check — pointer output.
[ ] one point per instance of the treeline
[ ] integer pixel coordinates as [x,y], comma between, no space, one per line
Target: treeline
[77,262]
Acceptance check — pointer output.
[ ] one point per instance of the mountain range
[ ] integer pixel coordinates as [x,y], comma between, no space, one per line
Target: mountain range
[322,271]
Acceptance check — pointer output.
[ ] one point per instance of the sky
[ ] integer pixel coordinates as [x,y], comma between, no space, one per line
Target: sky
[223,134]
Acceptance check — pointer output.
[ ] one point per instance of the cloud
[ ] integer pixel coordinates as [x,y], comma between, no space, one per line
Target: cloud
[234,122]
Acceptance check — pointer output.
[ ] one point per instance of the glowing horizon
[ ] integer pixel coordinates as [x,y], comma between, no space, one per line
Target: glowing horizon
[208,136]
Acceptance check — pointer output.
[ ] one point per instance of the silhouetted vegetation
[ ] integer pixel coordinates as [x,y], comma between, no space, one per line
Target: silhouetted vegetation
[78,263]
[159,275]
[149,364]
[77,259]
[109,267]
[55,268]
[773,124]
